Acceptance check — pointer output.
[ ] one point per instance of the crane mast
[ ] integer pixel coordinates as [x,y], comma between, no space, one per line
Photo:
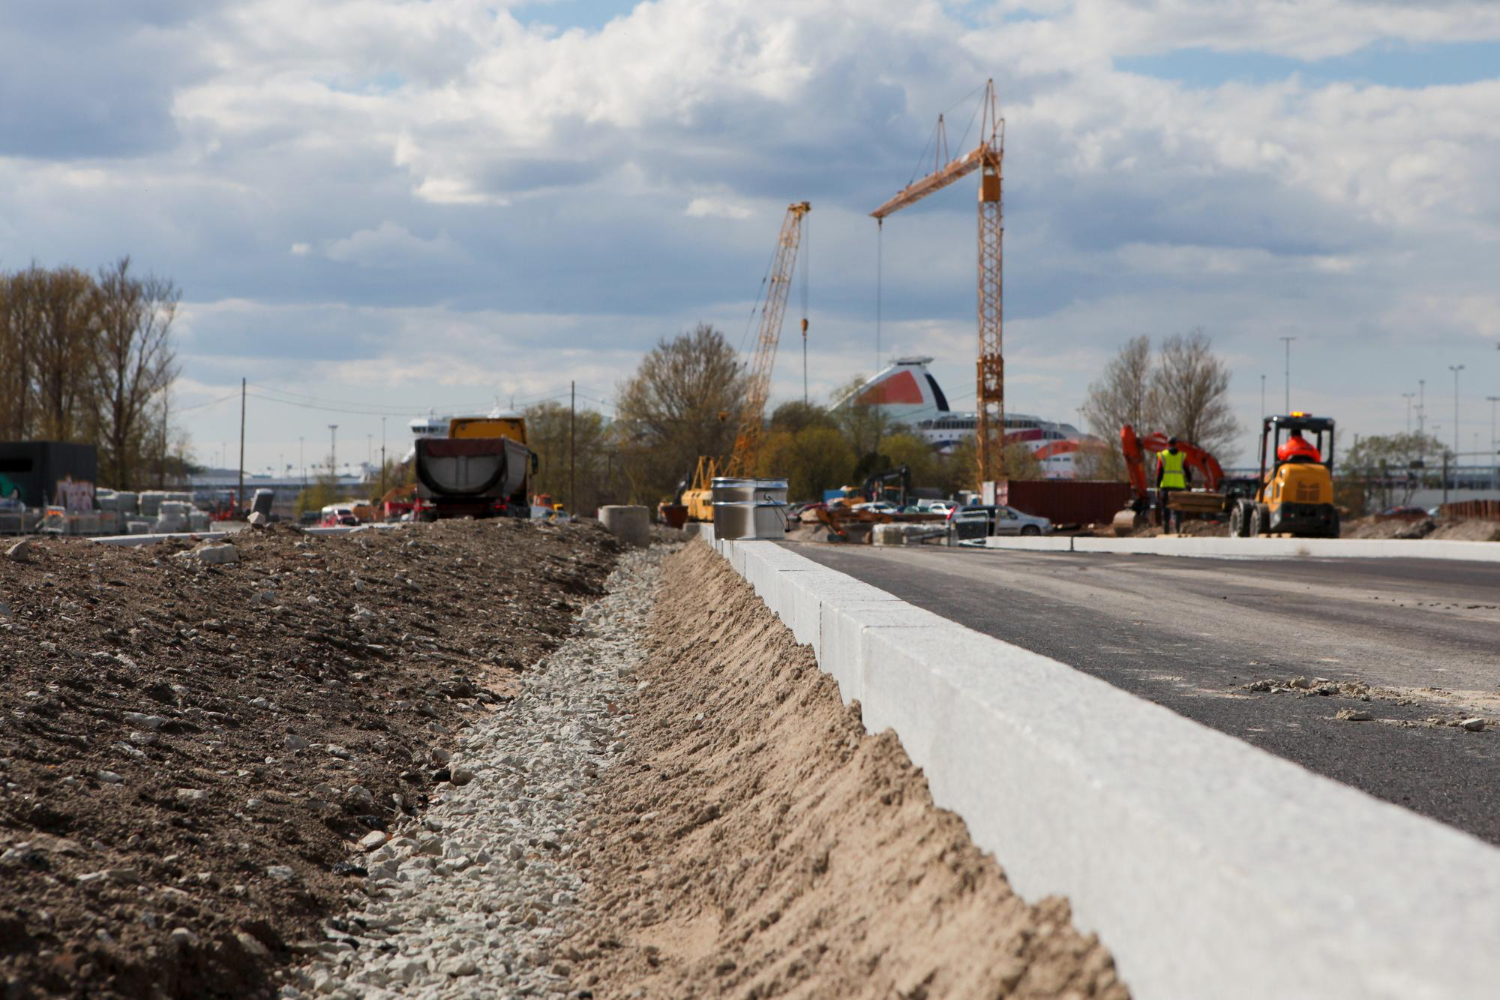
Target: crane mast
[758,388]
[990,374]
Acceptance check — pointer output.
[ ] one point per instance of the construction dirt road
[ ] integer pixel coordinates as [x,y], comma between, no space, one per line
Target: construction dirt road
[312,771]
[1359,669]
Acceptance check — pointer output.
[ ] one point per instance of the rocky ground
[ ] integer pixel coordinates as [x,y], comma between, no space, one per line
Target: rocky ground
[472,899]
[191,751]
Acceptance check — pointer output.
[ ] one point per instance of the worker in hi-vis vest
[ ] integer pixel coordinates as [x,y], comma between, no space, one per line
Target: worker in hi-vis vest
[1171,474]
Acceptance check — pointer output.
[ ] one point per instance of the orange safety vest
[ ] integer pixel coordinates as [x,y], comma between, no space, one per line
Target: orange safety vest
[1172,463]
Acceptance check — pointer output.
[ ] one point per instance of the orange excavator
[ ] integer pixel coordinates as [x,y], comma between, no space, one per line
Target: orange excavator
[1135,449]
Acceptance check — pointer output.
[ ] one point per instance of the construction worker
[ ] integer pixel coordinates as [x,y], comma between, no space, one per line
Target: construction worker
[1297,448]
[1171,474]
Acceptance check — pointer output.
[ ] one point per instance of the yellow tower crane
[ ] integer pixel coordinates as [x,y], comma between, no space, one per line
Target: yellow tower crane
[986,158]
[742,460]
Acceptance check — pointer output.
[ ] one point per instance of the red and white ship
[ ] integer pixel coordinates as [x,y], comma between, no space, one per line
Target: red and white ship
[908,394]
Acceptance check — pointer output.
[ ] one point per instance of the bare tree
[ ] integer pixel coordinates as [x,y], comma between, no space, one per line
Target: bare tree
[134,365]
[18,323]
[572,447]
[1123,395]
[1190,394]
[66,311]
[681,403]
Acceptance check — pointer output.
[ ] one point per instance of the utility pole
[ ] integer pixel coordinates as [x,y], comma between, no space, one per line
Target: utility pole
[1455,369]
[382,456]
[1494,450]
[1408,396]
[572,440]
[166,402]
[239,494]
[1288,342]
[333,452]
[302,462]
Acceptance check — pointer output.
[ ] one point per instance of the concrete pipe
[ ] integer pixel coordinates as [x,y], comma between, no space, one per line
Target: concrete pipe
[631,525]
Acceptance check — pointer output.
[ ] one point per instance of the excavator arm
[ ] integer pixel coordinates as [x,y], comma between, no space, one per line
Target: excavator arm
[1135,449]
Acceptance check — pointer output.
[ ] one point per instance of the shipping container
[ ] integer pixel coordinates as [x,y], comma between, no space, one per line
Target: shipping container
[39,473]
[1065,501]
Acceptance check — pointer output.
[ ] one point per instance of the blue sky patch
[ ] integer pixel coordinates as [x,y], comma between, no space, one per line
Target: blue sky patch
[1388,64]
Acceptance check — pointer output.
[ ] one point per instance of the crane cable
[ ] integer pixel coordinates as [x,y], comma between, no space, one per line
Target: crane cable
[806,266]
[879,267]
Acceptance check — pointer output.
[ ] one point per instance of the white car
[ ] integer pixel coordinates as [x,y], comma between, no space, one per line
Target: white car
[940,506]
[878,507]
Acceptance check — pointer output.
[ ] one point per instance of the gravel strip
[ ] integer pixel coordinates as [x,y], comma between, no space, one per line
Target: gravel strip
[470,901]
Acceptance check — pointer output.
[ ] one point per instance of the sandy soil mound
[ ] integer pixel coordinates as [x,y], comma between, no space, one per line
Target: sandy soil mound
[1467,531]
[758,844]
[189,751]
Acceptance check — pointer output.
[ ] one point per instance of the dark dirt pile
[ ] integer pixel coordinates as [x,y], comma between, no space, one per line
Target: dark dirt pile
[189,752]
[757,843]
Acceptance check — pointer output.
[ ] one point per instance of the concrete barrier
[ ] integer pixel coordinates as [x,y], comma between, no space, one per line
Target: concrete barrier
[1260,548]
[630,524]
[1209,867]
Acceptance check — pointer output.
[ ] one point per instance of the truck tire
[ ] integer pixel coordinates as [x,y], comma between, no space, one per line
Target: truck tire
[1333,529]
[1257,522]
[1239,523]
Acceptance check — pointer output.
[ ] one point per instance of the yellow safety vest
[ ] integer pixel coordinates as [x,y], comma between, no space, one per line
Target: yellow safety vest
[1171,470]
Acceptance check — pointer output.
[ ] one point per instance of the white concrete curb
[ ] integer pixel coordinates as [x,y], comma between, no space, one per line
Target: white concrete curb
[1260,548]
[1210,868]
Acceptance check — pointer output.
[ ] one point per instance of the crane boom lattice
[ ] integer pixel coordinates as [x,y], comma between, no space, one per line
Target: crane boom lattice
[747,436]
[987,158]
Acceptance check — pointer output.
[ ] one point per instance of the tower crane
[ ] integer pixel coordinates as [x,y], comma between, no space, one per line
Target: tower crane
[748,430]
[990,369]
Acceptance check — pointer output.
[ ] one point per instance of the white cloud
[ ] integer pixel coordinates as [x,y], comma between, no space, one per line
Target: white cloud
[388,245]
[448,176]
[715,208]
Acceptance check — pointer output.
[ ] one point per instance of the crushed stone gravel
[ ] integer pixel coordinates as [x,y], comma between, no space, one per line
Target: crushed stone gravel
[472,900]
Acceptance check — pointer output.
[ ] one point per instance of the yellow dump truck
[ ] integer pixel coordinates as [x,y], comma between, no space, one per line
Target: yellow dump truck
[483,468]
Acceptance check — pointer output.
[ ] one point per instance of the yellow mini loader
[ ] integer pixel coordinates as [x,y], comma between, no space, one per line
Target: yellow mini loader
[1295,495]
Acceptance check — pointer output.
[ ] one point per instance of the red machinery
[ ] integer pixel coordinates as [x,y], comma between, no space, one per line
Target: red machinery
[1135,449]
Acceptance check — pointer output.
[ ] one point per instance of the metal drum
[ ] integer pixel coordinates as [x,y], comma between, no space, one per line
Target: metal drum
[749,508]
[730,490]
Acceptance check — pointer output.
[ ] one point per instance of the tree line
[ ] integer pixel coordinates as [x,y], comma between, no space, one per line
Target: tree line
[88,357]
[683,402]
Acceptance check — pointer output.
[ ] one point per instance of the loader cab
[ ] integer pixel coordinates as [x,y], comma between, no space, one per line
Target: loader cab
[1276,431]
[1294,495]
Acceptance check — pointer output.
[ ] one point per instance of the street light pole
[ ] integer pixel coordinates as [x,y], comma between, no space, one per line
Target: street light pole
[1288,342]
[1455,369]
[1422,418]
[333,452]
[1408,396]
[1494,450]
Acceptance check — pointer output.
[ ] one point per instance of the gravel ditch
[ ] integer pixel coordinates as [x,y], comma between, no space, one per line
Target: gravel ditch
[471,900]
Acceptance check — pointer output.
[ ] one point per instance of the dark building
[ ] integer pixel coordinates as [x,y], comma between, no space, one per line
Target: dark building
[39,473]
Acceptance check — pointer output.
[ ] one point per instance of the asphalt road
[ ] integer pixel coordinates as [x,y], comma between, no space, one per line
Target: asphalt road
[1192,634]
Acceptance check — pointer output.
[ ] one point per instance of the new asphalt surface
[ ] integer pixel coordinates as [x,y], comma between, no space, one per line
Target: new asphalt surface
[1194,634]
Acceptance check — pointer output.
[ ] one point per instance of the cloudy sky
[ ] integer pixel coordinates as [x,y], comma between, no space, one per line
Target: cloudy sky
[377,207]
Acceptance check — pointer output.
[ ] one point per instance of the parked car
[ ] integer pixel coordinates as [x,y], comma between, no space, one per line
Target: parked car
[941,507]
[878,507]
[1003,520]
